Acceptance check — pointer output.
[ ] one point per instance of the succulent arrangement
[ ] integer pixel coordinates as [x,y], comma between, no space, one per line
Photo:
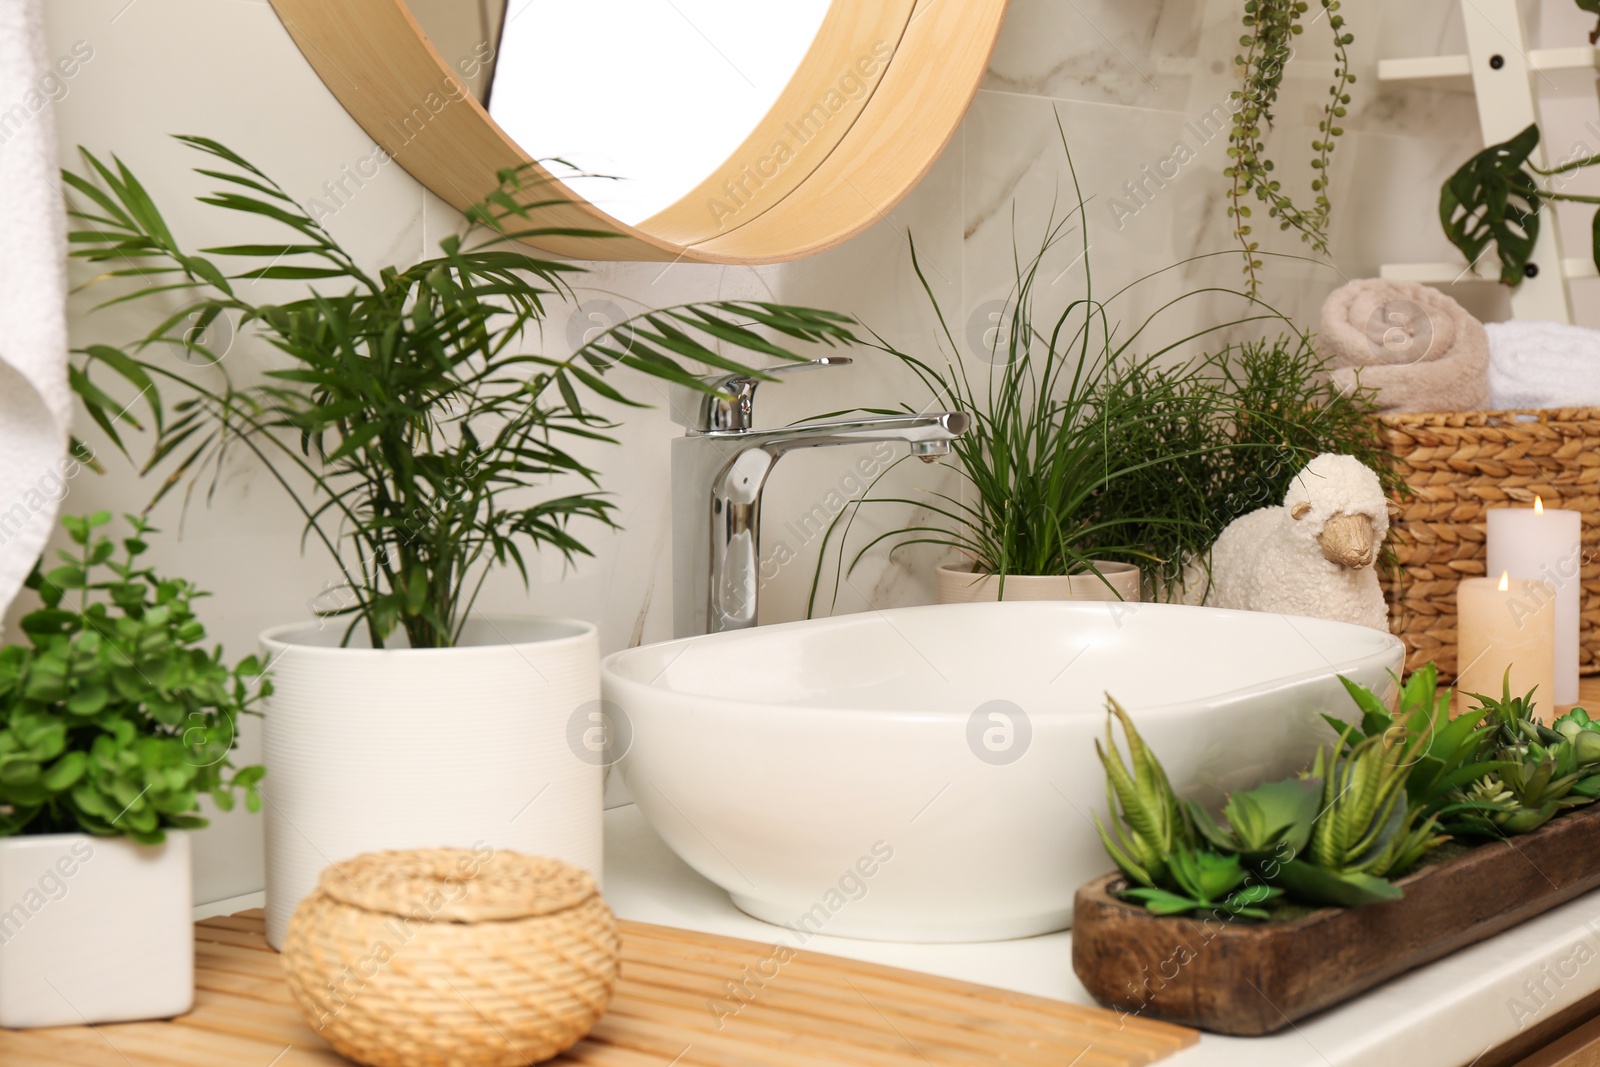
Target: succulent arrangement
[1372,807]
[114,721]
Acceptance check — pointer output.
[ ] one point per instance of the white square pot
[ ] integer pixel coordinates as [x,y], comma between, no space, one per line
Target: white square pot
[94,930]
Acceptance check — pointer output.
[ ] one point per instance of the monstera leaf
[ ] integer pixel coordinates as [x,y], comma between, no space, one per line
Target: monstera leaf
[1494,198]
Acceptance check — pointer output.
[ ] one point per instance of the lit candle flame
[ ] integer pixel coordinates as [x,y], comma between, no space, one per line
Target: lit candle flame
[1538,504]
[1505,580]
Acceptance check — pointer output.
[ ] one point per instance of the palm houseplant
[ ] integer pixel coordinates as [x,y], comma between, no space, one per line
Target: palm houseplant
[1099,459]
[428,446]
[114,722]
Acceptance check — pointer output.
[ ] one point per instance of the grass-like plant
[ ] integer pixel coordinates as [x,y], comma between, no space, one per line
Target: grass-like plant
[1218,436]
[114,720]
[437,440]
[1053,408]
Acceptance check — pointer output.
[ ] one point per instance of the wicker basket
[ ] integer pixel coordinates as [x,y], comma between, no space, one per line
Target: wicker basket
[1459,465]
[480,959]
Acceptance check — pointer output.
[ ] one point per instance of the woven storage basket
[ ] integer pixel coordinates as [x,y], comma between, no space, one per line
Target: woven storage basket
[1459,465]
[479,959]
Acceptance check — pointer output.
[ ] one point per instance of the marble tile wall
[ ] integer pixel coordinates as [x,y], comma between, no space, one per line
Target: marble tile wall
[1127,80]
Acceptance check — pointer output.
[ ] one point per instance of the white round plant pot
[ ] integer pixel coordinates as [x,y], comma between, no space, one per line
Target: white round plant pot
[959,585]
[483,744]
[95,930]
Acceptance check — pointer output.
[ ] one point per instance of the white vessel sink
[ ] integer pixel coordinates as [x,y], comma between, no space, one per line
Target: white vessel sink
[849,775]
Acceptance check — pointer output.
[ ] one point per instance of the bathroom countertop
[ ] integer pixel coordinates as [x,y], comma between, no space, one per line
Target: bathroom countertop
[1444,1015]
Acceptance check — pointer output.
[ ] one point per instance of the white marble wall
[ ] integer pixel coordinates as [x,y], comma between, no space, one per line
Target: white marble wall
[1121,76]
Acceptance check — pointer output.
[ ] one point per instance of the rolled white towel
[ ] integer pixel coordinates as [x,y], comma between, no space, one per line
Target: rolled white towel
[1543,365]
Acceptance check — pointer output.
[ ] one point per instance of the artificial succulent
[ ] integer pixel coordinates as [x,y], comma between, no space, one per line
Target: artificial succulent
[1206,881]
[1392,789]
[1148,824]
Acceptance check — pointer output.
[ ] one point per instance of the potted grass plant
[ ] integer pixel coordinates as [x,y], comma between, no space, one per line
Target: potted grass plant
[1047,445]
[438,448]
[1100,461]
[114,723]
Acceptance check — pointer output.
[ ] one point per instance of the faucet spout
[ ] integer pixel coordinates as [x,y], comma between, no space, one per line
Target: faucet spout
[718,477]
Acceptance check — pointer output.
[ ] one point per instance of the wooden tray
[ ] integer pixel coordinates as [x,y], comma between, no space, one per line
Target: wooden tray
[815,1010]
[1242,977]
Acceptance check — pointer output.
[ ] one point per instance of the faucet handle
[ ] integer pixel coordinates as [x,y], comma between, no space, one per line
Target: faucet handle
[731,405]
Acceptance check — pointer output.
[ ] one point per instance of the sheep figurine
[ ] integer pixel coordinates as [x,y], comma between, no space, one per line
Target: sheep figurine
[1312,556]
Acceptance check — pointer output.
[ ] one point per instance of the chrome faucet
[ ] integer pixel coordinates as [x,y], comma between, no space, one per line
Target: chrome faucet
[719,469]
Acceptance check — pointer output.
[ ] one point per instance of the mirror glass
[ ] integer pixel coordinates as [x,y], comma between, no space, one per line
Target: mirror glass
[639,100]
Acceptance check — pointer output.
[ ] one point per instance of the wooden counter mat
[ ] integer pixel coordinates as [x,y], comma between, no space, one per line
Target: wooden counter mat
[672,1006]
[1251,978]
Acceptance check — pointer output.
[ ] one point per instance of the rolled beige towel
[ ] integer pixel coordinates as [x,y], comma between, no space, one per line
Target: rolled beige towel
[1420,349]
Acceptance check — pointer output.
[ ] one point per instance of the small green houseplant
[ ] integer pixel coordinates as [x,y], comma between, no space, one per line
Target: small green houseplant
[115,722]
[412,403]
[428,443]
[1094,447]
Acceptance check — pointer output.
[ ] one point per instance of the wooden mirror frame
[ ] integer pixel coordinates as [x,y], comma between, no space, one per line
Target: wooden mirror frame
[822,166]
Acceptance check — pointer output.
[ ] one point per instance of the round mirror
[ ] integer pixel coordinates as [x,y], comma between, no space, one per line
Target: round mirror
[702,130]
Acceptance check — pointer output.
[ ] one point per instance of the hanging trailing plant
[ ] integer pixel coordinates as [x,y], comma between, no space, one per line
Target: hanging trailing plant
[1495,199]
[1266,49]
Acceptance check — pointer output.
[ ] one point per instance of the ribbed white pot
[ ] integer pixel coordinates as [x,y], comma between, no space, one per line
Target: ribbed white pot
[959,585]
[426,748]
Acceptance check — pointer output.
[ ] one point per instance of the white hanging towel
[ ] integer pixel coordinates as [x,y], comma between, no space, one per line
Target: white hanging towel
[35,403]
[1543,365]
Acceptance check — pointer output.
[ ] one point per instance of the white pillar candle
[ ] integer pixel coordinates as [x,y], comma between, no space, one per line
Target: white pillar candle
[1502,623]
[1545,545]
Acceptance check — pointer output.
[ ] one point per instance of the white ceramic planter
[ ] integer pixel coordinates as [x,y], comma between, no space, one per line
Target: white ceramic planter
[428,748]
[958,585]
[94,930]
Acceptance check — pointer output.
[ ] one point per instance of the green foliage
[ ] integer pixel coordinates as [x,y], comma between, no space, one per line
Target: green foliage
[1054,409]
[438,444]
[1583,734]
[1538,771]
[1272,820]
[1367,827]
[1266,49]
[115,720]
[1495,198]
[1493,770]
[1220,436]
[1442,754]
[1366,812]
[1148,824]
[1206,881]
